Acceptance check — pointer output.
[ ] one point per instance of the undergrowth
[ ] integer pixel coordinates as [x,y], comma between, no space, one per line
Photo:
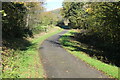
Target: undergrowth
[21,59]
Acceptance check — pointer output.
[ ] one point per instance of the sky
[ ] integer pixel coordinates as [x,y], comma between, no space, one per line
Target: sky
[53,4]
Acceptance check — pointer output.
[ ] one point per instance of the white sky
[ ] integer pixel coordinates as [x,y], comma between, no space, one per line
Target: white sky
[53,4]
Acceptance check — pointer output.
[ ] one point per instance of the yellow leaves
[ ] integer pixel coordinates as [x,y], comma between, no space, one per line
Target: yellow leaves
[3,12]
[89,10]
[19,2]
[6,51]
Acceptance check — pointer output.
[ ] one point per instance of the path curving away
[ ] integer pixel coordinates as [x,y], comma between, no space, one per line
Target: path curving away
[58,63]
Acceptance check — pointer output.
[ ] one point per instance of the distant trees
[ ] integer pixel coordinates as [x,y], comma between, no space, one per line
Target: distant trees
[49,18]
[74,12]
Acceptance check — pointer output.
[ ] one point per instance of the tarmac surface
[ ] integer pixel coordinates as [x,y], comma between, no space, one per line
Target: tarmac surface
[58,63]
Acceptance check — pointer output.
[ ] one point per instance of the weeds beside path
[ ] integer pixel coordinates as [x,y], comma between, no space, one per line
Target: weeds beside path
[26,63]
[35,69]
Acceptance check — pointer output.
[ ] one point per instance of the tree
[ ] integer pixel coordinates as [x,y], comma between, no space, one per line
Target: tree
[101,19]
[20,18]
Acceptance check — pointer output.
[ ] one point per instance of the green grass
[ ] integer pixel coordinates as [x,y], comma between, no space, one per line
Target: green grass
[27,63]
[31,65]
[110,70]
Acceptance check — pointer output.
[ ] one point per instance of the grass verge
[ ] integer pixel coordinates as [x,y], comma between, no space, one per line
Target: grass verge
[69,44]
[26,63]
[32,65]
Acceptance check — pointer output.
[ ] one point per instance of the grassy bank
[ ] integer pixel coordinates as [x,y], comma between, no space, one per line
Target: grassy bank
[70,45]
[26,63]
[32,65]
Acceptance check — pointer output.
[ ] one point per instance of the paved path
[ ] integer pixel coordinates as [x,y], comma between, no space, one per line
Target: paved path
[58,63]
